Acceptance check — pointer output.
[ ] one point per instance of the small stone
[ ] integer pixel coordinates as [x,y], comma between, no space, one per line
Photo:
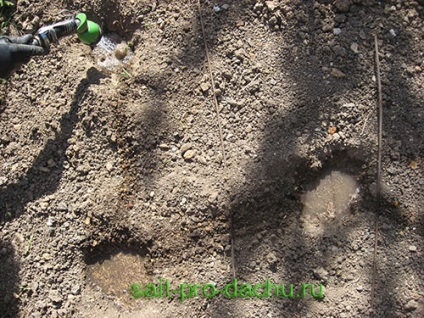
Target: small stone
[19,237]
[34,287]
[50,222]
[51,163]
[392,170]
[337,31]
[152,194]
[240,54]
[189,154]
[248,129]
[360,288]
[343,5]
[258,7]
[271,258]
[36,314]
[227,75]
[205,87]
[83,169]
[410,69]
[44,169]
[44,205]
[234,103]
[354,48]
[55,296]
[273,21]
[327,25]
[213,197]
[41,304]
[340,18]
[186,147]
[339,50]
[219,158]
[411,305]
[109,166]
[362,35]
[321,274]
[62,206]
[164,147]
[76,289]
[337,73]
[271,5]
[392,32]
[3,181]
[121,51]
[412,248]
[216,8]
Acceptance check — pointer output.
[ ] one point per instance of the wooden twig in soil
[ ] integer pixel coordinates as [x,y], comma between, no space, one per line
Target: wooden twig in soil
[379,150]
[215,100]
[365,123]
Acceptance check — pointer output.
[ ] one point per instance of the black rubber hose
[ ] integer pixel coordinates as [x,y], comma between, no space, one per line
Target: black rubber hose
[61,29]
[68,28]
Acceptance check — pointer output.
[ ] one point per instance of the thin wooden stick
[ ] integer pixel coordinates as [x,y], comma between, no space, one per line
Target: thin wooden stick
[215,100]
[380,137]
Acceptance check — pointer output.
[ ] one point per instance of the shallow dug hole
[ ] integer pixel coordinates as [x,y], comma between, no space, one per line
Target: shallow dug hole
[111,52]
[326,205]
[115,272]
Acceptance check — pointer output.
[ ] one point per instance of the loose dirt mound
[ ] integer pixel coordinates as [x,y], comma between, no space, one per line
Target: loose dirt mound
[99,168]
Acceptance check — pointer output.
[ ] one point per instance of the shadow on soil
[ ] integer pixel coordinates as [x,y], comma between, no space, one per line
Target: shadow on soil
[9,280]
[122,241]
[36,183]
[142,129]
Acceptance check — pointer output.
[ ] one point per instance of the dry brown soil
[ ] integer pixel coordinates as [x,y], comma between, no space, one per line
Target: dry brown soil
[113,178]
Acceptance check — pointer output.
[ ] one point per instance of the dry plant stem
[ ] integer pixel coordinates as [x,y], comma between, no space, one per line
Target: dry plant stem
[365,123]
[233,259]
[215,101]
[380,134]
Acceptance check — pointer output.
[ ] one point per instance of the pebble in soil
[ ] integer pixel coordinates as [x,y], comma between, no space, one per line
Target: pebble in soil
[326,206]
[111,52]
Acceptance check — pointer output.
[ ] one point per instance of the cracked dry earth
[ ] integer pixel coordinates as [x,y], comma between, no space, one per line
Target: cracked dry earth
[109,178]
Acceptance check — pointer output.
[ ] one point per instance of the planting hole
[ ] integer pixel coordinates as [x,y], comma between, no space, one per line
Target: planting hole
[112,51]
[115,273]
[326,204]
